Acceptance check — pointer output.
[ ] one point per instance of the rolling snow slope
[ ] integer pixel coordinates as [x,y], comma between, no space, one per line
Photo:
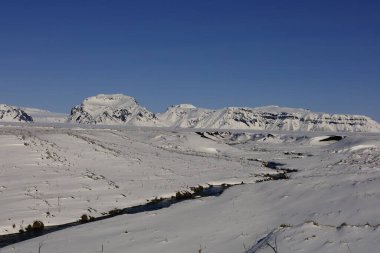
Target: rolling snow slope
[330,204]
[56,175]
[43,116]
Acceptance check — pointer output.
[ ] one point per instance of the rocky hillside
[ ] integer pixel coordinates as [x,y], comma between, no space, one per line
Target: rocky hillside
[114,109]
[13,114]
[265,118]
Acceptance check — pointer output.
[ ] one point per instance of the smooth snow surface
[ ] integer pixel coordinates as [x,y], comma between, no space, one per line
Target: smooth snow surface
[331,204]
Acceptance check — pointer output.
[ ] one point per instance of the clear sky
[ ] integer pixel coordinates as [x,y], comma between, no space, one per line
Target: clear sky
[323,55]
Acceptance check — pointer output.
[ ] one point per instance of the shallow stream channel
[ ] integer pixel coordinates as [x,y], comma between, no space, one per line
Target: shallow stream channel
[151,205]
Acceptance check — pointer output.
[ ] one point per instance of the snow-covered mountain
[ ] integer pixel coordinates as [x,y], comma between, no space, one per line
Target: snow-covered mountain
[13,114]
[119,109]
[265,118]
[113,109]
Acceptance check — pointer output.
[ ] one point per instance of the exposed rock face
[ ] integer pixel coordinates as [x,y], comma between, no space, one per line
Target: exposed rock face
[266,118]
[115,109]
[13,114]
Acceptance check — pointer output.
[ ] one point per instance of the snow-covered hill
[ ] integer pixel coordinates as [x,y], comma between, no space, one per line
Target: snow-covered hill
[265,118]
[44,116]
[13,114]
[114,109]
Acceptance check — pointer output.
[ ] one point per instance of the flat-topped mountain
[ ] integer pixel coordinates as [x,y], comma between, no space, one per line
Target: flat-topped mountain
[114,109]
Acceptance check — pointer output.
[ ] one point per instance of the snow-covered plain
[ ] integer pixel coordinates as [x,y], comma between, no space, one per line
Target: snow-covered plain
[57,174]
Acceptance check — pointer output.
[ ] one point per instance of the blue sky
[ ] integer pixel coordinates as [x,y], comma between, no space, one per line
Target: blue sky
[322,55]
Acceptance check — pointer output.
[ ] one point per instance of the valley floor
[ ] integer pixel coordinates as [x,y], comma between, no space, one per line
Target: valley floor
[304,192]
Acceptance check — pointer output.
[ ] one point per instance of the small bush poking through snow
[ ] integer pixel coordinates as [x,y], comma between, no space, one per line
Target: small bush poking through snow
[115,212]
[183,195]
[269,177]
[36,226]
[86,218]
[197,190]
[156,200]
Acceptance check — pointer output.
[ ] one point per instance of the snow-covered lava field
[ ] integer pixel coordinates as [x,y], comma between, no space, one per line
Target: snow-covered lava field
[294,191]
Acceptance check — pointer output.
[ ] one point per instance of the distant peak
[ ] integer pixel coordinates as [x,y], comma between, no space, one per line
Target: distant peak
[13,114]
[184,106]
[112,109]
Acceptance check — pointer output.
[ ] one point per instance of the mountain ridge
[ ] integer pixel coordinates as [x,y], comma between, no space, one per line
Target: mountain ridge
[267,118]
[119,109]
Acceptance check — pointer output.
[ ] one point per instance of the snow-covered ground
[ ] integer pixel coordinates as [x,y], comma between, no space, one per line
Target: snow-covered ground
[57,174]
